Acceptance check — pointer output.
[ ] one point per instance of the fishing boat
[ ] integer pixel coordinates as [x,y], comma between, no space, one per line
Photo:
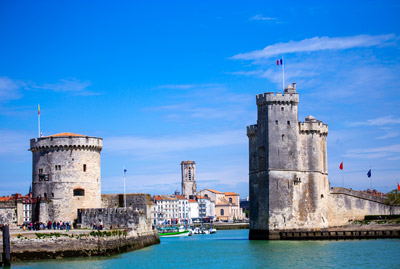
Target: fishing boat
[173,231]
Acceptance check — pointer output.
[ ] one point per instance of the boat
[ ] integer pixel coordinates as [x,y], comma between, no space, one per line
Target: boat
[173,231]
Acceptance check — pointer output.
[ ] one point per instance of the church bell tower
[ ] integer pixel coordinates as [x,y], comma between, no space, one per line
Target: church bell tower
[188,178]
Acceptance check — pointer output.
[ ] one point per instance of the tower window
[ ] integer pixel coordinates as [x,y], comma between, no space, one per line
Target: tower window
[79,192]
[282,108]
[283,136]
[40,171]
[190,174]
[58,167]
[84,168]
[288,123]
[45,195]
[276,122]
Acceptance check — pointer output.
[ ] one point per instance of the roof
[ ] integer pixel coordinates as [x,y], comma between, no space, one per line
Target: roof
[202,197]
[66,134]
[214,191]
[6,199]
[231,193]
[180,197]
[187,162]
[192,201]
[157,198]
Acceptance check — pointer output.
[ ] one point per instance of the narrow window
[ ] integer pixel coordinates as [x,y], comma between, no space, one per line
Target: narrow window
[283,136]
[230,200]
[322,196]
[40,171]
[45,195]
[84,168]
[79,192]
[288,123]
[52,194]
[190,174]
[282,109]
[276,122]
[222,212]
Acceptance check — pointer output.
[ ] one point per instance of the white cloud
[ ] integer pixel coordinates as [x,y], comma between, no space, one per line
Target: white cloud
[10,89]
[260,17]
[13,143]
[389,135]
[142,146]
[318,44]
[73,85]
[382,121]
[377,152]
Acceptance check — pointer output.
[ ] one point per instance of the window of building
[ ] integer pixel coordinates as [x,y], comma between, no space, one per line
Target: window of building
[52,194]
[84,168]
[45,195]
[282,108]
[40,171]
[58,167]
[276,122]
[206,195]
[222,212]
[283,137]
[288,123]
[79,192]
[230,200]
[190,174]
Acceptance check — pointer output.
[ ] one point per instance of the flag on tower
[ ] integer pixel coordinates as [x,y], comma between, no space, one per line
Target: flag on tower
[125,171]
[279,62]
[341,166]
[398,187]
[369,173]
[38,109]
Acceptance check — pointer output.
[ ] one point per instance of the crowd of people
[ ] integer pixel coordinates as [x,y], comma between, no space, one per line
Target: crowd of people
[51,225]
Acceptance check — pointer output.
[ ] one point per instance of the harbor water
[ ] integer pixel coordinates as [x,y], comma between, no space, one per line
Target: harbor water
[232,249]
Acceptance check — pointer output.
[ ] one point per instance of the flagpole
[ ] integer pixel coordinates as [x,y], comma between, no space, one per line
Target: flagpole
[123,171]
[283,74]
[39,119]
[370,176]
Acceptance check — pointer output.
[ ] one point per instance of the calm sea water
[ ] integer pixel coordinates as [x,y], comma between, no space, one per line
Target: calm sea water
[231,249]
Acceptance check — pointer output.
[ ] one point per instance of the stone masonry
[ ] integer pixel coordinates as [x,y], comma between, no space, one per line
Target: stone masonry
[188,178]
[288,172]
[66,175]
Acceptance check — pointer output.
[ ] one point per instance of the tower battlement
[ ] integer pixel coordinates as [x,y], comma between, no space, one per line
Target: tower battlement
[252,130]
[65,141]
[289,97]
[312,125]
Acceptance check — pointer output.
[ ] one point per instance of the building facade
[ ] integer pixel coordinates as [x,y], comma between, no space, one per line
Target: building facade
[66,174]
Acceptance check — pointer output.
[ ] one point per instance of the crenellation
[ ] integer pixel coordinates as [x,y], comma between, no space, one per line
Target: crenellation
[252,130]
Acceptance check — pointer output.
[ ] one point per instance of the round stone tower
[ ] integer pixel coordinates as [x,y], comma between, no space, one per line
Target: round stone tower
[66,173]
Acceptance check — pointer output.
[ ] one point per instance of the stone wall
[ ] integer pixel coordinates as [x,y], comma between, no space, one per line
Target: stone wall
[61,166]
[346,205]
[82,245]
[8,216]
[139,201]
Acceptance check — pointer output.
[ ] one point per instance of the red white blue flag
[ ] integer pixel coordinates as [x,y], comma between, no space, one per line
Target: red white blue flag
[279,62]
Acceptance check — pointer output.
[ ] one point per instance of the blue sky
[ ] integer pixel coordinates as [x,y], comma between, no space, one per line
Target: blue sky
[167,81]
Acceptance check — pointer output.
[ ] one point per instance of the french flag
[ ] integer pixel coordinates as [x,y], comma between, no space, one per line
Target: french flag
[279,62]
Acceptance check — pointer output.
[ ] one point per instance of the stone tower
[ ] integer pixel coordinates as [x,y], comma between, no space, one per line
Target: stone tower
[188,178]
[288,180]
[66,173]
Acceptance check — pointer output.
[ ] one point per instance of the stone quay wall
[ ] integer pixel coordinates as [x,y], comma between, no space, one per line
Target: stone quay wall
[83,245]
[8,215]
[346,205]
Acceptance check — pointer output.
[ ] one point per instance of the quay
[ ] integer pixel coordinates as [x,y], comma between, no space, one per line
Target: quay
[340,233]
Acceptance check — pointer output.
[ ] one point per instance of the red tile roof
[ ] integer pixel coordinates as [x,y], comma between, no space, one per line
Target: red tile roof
[192,201]
[180,197]
[231,193]
[214,191]
[66,134]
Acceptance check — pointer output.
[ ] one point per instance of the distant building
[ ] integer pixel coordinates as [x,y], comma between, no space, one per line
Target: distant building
[206,207]
[171,209]
[188,169]
[16,209]
[227,205]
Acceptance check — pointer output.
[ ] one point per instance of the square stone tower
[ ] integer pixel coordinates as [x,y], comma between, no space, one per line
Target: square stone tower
[188,178]
[287,167]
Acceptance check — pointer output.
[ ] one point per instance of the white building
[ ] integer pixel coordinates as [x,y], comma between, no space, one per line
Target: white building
[171,209]
[206,207]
